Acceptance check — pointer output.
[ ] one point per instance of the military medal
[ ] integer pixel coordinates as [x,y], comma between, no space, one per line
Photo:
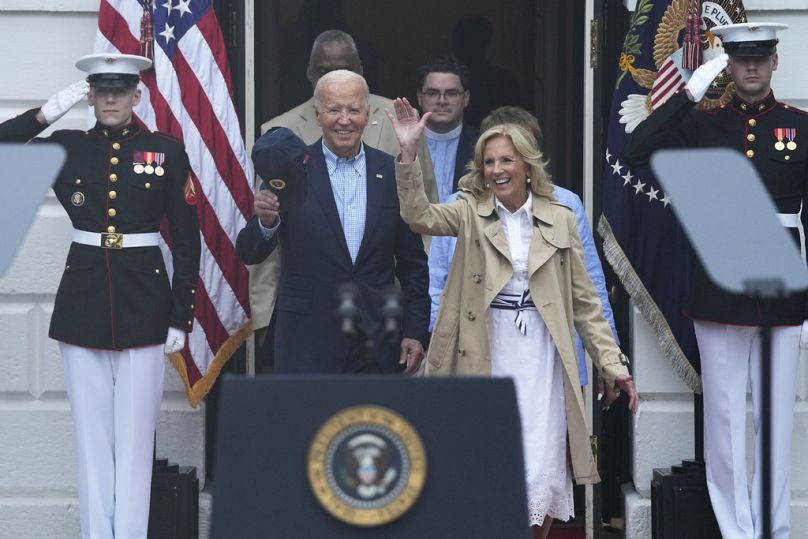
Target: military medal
[149,169]
[77,199]
[779,133]
[138,163]
[791,134]
[159,158]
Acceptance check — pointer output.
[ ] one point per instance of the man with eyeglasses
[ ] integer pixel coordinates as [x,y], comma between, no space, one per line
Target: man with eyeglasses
[443,83]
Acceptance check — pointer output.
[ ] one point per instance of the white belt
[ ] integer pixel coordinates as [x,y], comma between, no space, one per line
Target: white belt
[114,240]
[789,220]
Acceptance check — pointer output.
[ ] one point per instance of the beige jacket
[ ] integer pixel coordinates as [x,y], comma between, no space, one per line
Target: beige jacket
[558,281]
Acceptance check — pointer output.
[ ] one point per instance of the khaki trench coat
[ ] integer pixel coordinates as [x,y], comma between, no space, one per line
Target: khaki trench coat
[558,281]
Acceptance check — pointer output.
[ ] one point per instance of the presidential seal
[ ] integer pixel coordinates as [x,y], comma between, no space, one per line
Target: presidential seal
[367,466]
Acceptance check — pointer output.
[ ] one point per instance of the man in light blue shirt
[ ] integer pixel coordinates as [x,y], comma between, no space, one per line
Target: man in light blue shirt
[347,230]
[443,83]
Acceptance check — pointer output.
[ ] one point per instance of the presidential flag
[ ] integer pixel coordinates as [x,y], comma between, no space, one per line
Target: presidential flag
[189,94]
[642,241]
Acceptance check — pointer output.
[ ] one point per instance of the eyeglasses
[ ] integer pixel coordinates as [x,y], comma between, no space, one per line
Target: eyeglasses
[450,95]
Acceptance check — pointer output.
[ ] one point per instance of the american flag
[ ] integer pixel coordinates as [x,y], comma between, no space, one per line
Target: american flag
[189,95]
[642,240]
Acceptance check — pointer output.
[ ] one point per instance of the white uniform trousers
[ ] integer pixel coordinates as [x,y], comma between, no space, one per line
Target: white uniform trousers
[115,398]
[730,358]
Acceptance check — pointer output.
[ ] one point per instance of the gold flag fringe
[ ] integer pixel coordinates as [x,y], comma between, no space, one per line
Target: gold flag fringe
[198,391]
[643,300]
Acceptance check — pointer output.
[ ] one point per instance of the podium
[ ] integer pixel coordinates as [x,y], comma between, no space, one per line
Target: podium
[368,456]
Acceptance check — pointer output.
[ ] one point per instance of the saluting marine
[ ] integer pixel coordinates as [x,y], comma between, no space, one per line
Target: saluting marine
[774,136]
[116,314]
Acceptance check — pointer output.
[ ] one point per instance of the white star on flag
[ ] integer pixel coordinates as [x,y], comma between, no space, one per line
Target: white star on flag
[608,155]
[168,7]
[638,187]
[666,200]
[627,178]
[183,8]
[168,33]
[652,194]
[617,167]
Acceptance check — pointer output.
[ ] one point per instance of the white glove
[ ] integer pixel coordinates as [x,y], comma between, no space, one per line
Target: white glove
[175,341]
[58,105]
[703,77]
[804,335]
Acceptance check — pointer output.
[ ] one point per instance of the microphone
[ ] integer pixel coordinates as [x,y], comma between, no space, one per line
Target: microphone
[347,311]
[391,312]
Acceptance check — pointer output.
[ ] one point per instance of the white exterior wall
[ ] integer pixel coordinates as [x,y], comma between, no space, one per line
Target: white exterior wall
[40,40]
[663,429]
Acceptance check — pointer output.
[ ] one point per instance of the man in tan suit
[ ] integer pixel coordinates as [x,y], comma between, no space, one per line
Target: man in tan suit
[331,50]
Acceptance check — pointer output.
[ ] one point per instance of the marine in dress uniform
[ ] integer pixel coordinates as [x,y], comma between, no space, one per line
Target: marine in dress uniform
[116,313]
[774,136]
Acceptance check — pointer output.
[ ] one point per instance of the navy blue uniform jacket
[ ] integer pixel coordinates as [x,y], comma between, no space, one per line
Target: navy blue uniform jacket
[315,261]
[749,128]
[113,299]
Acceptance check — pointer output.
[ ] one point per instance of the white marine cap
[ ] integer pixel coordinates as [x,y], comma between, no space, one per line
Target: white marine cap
[113,70]
[749,38]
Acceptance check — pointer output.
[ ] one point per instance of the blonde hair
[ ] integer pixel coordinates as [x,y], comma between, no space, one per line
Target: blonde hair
[528,152]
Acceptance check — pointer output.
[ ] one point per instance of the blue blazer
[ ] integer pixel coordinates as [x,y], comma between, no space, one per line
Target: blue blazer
[315,261]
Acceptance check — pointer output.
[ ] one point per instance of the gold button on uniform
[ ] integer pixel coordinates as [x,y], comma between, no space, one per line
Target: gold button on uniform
[752,122]
[116,146]
[147,185]
[111,229]
[77,181]
[787,158]
[750,137]
[114,160]
[750,153]
[113,194]
[157,271]
[113,178]
[111,212]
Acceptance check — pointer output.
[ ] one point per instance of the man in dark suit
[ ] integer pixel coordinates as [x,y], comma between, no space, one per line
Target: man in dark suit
[348,230]
[443,90]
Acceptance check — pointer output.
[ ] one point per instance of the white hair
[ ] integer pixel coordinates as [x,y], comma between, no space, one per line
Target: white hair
[340,76]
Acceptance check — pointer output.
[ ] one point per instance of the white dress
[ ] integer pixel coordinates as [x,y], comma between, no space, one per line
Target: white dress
[535,366]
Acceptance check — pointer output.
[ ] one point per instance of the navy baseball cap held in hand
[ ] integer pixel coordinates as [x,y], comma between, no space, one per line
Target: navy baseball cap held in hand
[280,158]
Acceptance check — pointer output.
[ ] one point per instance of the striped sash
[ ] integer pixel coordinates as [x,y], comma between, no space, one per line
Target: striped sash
[515,302]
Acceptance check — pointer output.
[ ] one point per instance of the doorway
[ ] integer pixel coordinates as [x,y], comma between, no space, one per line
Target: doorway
[520,52]
[533,48]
